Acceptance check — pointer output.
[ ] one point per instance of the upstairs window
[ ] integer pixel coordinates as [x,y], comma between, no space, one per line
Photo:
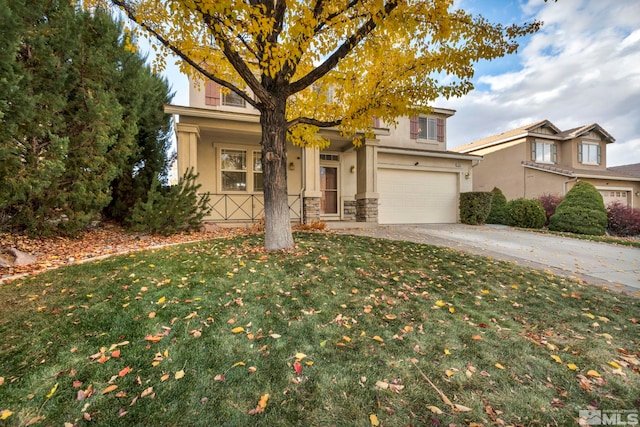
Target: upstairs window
[544,152]
[232,99]
[589,153]
[427,128]
[213,96]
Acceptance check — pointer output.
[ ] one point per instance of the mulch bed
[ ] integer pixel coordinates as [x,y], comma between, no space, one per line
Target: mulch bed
[108,239]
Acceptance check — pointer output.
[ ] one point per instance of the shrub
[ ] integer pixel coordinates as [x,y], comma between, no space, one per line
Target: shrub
[498,213]
[525,213]
[582,211]
[170,210]
[475,207]
[549,202]
[623,220]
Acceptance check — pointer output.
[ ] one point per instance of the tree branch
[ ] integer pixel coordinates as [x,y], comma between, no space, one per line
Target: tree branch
[166,43]
[313,122]
[341,52]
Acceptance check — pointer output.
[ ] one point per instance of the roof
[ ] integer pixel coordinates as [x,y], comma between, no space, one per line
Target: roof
[609,173]
[529,130]
[632,169]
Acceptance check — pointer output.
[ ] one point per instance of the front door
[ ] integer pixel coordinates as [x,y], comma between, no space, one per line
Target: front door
[329,188]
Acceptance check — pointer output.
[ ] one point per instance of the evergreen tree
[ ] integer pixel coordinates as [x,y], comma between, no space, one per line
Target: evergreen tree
[80,104]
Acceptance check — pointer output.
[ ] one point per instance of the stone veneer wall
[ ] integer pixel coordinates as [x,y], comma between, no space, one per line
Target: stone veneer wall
[367,210]
[349,210]
[310,210]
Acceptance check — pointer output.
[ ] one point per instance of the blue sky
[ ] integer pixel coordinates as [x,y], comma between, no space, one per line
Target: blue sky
[583,67]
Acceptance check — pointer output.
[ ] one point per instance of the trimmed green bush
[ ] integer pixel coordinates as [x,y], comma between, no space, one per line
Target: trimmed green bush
[170,210]
[475,207]
[582,211]
[525,213]
[498,213]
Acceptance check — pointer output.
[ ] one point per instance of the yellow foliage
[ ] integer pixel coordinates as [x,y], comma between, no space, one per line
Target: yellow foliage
[336,65]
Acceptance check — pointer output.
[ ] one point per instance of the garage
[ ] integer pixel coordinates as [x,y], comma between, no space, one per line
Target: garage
[611,196]
[417,196]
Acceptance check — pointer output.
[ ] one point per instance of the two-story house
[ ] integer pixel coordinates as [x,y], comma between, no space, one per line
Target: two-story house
[539,159]
[404,174]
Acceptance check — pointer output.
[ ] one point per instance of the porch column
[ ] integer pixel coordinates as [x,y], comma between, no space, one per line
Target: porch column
[311,193]
[188,136]
[367,187]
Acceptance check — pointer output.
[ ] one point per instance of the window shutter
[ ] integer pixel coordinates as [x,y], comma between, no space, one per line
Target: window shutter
[440,130]
[414,127]
[554,153]
[211,93]
[533,151]
[375,122]
[580,152]
[599,155]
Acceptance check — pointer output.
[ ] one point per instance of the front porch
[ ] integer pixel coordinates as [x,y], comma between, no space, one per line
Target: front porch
[337,184]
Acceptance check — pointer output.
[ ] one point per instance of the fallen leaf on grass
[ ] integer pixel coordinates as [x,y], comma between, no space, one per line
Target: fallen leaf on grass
[592,373]
[378,338]
[572,366]
[373,419]
[615,365]
[164,377]
[219,377]
[237,330]
[262,404]
[52,392]
[153,338]
[179,374]
[6,413]
[297,366]
[109,389]
[435,410]
[556,358]
[146,392]
[124,371]
[499,366]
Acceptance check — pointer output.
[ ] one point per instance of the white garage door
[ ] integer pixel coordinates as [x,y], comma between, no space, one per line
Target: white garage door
[609,196]
[415,197]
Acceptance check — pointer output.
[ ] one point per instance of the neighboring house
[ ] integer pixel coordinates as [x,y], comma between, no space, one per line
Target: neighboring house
[541,159]
[402,175]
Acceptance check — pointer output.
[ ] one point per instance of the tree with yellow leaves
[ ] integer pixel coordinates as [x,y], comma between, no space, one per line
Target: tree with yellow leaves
[383,58]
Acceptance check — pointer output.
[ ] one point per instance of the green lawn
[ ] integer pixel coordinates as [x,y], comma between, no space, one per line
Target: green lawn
[345,331]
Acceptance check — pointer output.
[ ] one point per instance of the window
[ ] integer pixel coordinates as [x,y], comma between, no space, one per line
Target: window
[544,152]
[427,128]
[257,171]
[233,167]
[232,99]
[589,153]
[234,172]
[213,96]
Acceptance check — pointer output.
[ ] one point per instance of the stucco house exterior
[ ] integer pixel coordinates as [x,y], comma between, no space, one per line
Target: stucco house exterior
[404,174]
[540,158]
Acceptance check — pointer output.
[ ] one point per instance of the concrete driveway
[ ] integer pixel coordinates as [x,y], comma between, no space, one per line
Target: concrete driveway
[617,267]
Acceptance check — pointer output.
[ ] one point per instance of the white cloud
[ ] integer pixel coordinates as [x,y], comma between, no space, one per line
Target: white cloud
[582,67]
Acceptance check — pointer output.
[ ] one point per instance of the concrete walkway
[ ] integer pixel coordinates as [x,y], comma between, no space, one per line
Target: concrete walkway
[614,266]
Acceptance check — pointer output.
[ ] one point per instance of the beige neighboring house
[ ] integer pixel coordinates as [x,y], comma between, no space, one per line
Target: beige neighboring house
[403,175]
[541,159]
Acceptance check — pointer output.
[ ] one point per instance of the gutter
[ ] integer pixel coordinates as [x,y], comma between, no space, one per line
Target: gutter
[443,154]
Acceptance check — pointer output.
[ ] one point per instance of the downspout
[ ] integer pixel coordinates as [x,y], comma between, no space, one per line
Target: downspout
[304,185]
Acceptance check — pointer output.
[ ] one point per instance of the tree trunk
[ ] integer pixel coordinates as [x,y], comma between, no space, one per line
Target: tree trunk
[274,169]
